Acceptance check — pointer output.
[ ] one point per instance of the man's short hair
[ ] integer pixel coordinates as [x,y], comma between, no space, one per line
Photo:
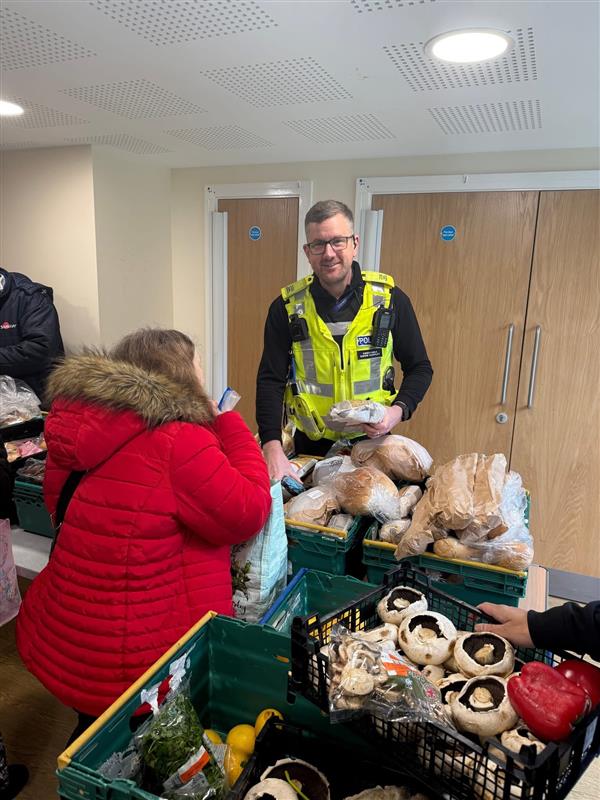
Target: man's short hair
[325,209]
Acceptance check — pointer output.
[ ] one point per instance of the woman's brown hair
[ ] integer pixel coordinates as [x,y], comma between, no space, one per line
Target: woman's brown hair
[166,351]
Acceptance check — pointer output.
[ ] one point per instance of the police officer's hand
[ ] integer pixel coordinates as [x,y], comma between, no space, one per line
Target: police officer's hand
[277,461]
[392,416]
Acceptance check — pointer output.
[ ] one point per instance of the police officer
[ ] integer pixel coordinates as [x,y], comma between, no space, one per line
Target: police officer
[334,336]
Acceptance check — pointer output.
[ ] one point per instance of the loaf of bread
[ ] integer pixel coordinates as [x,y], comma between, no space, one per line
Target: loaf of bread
[452,548]
[316,506]
[490,477]
[452,486]
[397,456]
[394,531]
[409,497]
[368,491]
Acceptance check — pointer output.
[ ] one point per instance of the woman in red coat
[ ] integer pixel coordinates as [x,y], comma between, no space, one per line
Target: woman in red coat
[144,550]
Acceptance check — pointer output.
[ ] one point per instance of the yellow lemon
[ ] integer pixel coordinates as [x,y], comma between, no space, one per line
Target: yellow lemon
[264,715]
[242,737]
[213,736]
[233,765]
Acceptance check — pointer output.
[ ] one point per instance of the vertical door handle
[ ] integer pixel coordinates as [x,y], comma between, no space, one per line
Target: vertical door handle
[534,362]
[509,341]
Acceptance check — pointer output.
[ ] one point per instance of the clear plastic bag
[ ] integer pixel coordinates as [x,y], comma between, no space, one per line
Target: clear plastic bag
[18,403]
[315,506]
[33,470]
[398,457]
[348,416]
[327,469]
[374,678]
[369,492]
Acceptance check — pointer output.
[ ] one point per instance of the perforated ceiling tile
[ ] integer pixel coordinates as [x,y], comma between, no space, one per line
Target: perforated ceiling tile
[24,43]
[426,74]
[515,115]
[357,128]
[227,137]
[19,145]
[39,116]
[361,6]
[124,142]
[134,99]
[278,83]
[179,21]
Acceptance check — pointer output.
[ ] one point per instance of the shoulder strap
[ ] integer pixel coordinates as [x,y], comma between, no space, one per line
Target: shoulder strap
[66,493]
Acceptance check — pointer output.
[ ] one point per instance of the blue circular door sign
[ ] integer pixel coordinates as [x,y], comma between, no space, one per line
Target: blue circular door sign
[255,233]
[447,233]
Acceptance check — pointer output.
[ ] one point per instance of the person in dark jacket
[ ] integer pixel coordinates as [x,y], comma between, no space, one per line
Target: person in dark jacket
[30,340]
[568,627]
[319,344]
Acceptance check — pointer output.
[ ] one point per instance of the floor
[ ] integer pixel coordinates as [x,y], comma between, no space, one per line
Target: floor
[35,726]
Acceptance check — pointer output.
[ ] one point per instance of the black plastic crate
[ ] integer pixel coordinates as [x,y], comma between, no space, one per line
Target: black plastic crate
[348,771]
[430,751]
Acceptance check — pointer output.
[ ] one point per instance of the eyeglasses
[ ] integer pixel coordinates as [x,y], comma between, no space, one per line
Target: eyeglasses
[318,247]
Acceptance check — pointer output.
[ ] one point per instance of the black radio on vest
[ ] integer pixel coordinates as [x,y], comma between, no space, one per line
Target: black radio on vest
[382,325]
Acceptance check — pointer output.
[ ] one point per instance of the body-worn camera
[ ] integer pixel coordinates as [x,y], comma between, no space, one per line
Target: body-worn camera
[298,328]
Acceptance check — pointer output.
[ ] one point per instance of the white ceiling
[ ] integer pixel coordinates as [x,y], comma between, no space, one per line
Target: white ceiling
[193,82]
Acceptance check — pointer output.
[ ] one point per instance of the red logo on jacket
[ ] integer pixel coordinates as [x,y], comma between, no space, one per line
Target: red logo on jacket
[5,325]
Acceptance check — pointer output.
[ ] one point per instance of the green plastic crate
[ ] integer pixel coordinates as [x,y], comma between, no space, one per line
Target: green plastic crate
[312,592]
[328,552]
[237,670]
[472,583]
[31,511]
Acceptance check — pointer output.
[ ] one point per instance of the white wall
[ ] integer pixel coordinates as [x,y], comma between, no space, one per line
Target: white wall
[47,231]
[331,179]
[133,244]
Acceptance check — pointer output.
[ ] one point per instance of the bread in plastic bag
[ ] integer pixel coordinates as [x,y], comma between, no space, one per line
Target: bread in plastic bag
[397,456]
[451,547]
[18,402]
[341,522]
[348,416]
[315,506]
[328,468]
[367,491]
[394,531]
[409,497]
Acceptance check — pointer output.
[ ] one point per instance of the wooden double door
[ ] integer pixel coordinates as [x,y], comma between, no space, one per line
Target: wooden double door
[509,307]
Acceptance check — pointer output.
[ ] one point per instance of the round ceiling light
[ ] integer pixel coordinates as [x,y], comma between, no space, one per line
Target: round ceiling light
[469,45]
[10,109]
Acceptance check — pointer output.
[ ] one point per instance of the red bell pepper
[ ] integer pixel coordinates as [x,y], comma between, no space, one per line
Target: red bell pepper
[548,703]
[585,675]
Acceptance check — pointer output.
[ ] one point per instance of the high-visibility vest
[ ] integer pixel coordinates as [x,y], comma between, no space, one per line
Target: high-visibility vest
[320,375]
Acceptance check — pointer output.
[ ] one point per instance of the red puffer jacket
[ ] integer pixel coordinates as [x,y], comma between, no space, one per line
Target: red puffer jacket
[144,550]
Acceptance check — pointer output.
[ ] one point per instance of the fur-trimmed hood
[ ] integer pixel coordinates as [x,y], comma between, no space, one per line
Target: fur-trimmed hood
[118,385]
[99,404]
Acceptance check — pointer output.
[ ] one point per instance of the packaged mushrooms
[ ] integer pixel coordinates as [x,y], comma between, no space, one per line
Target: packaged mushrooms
[372,677]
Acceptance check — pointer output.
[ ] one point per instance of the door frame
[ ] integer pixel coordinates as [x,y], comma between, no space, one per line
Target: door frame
[478,182]
[215,289]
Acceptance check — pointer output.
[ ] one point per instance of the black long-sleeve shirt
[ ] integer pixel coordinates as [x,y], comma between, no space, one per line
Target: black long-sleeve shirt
[567,627]
[409,350]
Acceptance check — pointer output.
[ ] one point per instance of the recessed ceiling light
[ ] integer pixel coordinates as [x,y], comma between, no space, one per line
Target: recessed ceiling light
[10,109]
[468,45]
